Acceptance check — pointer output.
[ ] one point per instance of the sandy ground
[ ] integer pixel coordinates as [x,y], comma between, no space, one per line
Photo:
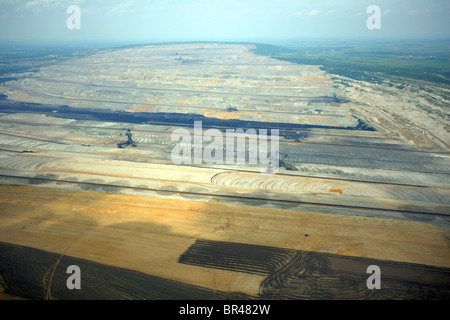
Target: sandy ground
[149,234]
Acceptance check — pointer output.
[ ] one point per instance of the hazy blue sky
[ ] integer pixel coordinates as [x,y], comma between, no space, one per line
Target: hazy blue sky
[193,20]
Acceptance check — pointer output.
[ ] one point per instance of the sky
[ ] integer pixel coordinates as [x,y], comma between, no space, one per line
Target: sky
[221,20]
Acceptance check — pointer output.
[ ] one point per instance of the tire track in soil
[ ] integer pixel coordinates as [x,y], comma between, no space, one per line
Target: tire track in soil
[22,269]
[298,274]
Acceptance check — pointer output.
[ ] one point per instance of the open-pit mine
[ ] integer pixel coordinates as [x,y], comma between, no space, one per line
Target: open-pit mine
[87,179]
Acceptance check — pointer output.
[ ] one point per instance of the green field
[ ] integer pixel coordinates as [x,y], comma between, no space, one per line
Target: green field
[428,61]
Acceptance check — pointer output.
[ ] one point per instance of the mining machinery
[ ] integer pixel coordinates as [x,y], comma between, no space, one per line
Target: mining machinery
[129,140]
[286,165]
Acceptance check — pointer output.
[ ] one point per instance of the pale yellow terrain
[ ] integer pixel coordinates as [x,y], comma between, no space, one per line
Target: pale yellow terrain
[149,234]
